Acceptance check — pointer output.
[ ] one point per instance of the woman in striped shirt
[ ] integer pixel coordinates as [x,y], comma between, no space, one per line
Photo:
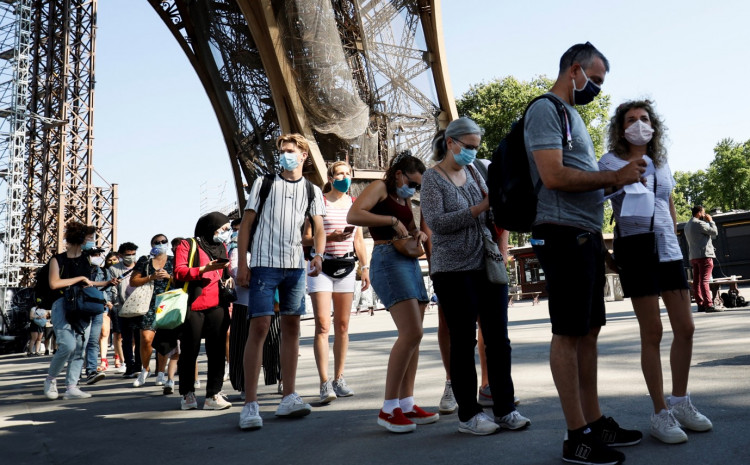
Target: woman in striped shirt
[343,243]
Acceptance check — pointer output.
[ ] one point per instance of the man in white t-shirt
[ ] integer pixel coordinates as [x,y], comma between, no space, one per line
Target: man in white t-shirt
[276,261]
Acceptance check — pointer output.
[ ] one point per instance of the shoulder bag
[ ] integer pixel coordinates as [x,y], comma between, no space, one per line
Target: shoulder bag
[493,260]
[636,252]
[138,302]
[87,301]
[409,246]
[171,306]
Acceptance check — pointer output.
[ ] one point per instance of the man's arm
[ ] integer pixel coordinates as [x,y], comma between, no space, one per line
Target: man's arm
[557,176]
[243,239]
[319,236]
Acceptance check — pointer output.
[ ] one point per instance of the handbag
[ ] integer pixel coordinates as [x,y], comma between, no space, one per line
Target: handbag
[138,302]
[339,267]
[227,292]
[171,306]
[408,246]
[87,301]
[494,265]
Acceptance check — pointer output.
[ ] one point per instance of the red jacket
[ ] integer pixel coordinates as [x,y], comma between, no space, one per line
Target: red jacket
[209,280]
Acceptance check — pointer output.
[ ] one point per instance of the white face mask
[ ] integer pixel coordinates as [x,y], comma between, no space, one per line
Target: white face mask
[96,261]
[639,133]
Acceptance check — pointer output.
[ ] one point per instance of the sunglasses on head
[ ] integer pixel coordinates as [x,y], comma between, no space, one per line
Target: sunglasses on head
[165,241]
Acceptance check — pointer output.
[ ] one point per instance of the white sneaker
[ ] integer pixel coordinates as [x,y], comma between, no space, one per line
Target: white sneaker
[188,401]
[250,417]
[293,406]
[448,401]
[168,387]
[688,416]
[217,402]
[50,389]
[74,392]
[513,421]
[480,425]
[141,379]
[326,392]
[665,428]
[161,377]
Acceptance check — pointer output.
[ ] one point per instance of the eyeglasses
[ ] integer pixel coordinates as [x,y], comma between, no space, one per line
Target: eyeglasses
[112,262]
[412,184]
[165,241]
[464,145]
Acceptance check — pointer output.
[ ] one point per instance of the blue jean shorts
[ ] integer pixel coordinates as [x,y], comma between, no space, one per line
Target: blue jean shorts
[396,277]
[263,284]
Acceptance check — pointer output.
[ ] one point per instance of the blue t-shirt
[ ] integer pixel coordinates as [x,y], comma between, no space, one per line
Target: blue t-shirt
[543,131]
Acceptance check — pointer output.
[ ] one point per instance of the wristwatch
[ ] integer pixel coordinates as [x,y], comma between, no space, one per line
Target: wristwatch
[316,254]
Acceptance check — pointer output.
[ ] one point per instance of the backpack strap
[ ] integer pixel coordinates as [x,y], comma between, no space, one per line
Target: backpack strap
[479,166]
[265,189]
[567,136]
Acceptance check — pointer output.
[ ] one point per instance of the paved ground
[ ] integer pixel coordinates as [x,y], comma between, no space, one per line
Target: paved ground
[122,425]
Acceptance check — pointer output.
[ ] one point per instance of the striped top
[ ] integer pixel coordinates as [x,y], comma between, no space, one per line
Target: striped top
[666,239]
[336,219]
[278,239]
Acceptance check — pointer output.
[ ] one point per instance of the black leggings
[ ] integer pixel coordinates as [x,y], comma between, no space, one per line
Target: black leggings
[212,325]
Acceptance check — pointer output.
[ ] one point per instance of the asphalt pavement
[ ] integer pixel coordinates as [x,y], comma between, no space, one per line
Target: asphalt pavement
[125,425]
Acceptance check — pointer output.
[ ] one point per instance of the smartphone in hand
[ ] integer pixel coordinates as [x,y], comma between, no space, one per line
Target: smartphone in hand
[348,229]
[221,261]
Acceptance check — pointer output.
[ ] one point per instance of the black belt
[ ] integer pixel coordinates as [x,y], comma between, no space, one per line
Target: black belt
[333,257]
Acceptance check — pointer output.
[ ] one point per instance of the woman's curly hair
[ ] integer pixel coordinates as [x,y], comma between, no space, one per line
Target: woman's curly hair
[75,232]
[617,143]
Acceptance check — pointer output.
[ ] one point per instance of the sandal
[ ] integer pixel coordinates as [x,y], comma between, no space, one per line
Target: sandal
[104,366]
[117,361]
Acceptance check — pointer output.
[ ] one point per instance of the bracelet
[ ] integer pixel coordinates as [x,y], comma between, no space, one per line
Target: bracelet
[364,267]
[394,221]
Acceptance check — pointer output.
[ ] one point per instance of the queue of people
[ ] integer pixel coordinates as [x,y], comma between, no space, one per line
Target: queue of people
[263,254]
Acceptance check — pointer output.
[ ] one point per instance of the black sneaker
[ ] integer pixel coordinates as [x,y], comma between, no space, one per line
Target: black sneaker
[94,377]
[611,434]
[586,449]
[130,374]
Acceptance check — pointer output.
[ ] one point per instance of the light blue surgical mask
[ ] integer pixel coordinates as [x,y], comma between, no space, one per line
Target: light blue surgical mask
[405,191]
[289,160]
[223,237]
[342,185]
[159,249]
[88,245]
[465,156]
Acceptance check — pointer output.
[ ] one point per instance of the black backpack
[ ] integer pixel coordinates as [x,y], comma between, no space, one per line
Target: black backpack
[265,189]
[513,195]
[43,295]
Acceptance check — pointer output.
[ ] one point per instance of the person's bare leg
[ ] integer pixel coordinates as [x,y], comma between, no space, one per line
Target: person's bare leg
[588,374]
[289,351]
[683,327]
[117,342]
[253,356]
[402,363]
[649,320]
[104,337]
[147,339]
[161,363]
[172,366]
[563,360]
[342,311]
[321,302]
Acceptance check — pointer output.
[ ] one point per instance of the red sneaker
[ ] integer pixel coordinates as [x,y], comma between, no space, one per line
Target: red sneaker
[420,417]
[396,422]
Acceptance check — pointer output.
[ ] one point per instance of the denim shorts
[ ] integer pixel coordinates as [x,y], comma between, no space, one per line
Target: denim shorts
[396,277]
[263,284]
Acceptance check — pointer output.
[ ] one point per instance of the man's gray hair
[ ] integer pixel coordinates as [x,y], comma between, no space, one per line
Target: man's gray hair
[583,54]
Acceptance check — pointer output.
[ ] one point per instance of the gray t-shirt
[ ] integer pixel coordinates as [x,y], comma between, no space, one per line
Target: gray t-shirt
[542,131]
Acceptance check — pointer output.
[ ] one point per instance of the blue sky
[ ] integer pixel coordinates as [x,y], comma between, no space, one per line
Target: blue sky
[157,137]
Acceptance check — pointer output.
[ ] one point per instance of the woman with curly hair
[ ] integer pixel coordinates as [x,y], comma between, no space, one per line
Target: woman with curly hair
[636,131]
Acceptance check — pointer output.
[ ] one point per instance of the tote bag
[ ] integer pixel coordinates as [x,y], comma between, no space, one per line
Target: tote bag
[138,302]
[171,306]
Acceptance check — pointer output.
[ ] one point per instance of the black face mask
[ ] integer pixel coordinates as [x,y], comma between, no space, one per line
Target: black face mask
[586,95]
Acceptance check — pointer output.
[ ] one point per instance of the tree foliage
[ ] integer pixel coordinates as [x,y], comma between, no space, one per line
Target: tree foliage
[728,177]
[497,104]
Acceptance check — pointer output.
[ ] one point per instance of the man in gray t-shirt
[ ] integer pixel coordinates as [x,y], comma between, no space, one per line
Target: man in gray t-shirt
[566,237]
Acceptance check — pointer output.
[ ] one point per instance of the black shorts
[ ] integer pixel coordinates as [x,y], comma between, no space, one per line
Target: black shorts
[573,264]
[650,281]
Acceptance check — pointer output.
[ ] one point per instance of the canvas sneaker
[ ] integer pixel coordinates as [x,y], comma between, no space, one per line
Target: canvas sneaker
[485,397]
[168,387]
[161,377]
[188,401]
[74,392]
[216,402]
[396,422]
[448,403]
[50,389]
[293,406]
[665,428]
[326,392]
[95,377]
[513,421]
[610,433]
[341,388]
[480,425]
[141,379]
[688,416]
[586,449]
[421,417]
[250,417]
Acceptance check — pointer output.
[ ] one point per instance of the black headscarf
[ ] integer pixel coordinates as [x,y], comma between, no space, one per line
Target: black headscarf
[204,234]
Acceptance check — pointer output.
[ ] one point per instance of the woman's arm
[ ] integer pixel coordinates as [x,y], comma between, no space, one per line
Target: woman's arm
[360,215]
[361,250]
[433,208]
[673,212]
[56,282]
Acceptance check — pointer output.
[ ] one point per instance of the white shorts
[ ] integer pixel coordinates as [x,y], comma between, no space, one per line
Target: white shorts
[324,283]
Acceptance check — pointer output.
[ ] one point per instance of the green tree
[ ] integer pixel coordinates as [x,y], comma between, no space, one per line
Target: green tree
[728,177]
[497,104]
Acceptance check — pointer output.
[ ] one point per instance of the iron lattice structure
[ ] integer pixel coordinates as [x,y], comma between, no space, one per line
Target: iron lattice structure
[310,66]
[58,184]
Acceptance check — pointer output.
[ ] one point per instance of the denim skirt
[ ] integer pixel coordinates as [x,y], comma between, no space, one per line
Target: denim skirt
[396,277]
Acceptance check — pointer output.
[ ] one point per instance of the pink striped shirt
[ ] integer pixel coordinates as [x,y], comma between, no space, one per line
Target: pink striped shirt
[336,219]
